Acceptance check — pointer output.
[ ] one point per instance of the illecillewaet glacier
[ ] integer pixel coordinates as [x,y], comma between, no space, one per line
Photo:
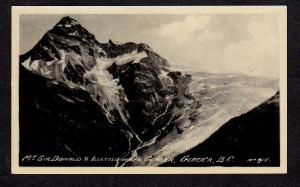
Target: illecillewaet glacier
[82,97]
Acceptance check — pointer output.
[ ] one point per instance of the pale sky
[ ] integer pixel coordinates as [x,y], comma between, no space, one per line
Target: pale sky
[241,43]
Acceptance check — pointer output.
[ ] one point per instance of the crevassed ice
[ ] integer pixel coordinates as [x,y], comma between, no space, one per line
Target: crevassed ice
[107,87]
[102,83]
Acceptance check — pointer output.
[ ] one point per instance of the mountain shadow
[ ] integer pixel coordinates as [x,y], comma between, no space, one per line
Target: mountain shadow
[251,139]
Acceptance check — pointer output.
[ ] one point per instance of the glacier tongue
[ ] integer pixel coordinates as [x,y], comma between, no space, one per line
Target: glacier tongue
[223,97]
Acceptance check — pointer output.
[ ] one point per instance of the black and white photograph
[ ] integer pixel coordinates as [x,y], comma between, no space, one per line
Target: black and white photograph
[145,90]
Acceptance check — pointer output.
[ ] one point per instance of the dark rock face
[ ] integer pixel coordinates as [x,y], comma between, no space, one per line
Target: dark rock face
[67,123]
[99,98]
[254,135]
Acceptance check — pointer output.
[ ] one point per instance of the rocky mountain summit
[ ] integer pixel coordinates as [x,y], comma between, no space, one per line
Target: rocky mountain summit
[78,95]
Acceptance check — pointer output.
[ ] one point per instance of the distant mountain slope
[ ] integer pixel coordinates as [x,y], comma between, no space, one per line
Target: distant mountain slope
[252,135]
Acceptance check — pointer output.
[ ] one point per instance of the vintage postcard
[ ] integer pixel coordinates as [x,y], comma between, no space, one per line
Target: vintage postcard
[149,90]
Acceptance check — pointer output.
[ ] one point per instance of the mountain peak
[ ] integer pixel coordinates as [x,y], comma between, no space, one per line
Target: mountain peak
[70,28]
[67,20]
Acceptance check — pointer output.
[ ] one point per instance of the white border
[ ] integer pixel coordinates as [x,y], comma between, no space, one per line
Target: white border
[17,10]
